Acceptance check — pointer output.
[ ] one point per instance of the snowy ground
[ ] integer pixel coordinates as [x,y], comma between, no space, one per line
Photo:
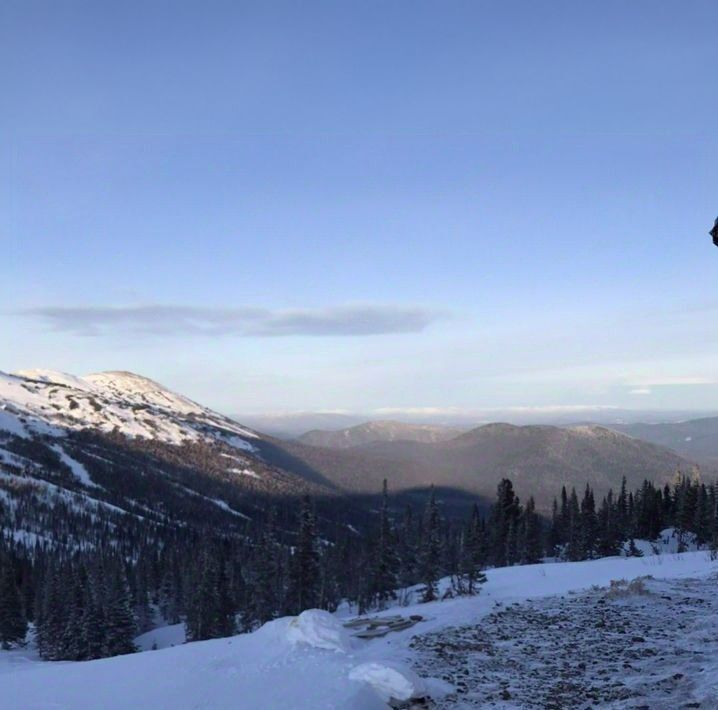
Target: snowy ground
[521,643]
[656,649]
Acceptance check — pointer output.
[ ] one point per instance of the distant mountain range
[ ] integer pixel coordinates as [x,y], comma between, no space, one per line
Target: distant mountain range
[370,432]
[291,426]
[696,439]
[538,459]
[294,425]
[121,444]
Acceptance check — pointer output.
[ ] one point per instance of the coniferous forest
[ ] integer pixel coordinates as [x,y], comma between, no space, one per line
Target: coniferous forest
[91,600]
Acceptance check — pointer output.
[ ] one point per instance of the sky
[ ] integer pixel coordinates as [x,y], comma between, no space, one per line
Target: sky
[364,206]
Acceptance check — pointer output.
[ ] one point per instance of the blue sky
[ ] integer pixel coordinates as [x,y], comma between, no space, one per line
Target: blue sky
[364,205]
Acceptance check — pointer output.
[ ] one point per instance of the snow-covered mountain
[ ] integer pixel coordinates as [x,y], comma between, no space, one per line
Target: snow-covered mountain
[122,443]
[47,401]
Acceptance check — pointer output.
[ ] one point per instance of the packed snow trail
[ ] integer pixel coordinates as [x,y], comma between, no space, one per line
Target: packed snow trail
[649,644]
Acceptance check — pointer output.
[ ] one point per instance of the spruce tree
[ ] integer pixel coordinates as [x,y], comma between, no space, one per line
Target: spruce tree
[304,583]
[13,624]
[430,553]
[587,526]
[574,549]
[263,603]
[120,623]
[503,524]
[530,538]
[386,563]
[473,555]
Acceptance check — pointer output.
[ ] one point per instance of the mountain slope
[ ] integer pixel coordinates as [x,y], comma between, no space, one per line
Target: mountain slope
[122,445]
[538,459]
[369,432]
[696,438]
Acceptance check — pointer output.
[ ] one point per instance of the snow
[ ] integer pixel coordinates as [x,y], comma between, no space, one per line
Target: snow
[11,424]
[55,377]
[391,680]
[319,629]
[76,499]
[243,472]
[306,663]
[76,467]
[162,637]
[216,501]
[221,504]
[136,406]
[668,542]
[239,443]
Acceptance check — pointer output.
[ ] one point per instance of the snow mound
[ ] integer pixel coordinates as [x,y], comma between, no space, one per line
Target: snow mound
[318,629]
[162,637]
[669,542]
[391,680]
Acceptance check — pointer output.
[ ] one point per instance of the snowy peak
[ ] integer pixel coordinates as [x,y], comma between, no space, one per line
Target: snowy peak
[53,377]
[141,389]
[43,401]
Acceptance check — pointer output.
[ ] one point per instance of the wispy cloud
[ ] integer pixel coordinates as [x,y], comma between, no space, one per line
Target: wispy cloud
[641,391]
[163,320]
[482,413]
[679,381]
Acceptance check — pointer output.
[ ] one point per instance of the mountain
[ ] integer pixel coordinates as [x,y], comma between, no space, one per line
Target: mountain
[538,459]
[696,439]
[369,432]
[122,444]
[126,444]
[291,426]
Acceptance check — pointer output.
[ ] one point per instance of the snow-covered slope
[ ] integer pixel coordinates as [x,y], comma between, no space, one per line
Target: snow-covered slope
[308,664]
[127,444]
[45,400]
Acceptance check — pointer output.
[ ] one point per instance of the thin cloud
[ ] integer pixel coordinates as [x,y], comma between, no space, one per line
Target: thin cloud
[641,391]
[679,381]
[164,320]
[457,411]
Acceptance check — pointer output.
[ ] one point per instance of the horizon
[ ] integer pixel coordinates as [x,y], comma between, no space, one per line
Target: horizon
[373,208]
[559,415]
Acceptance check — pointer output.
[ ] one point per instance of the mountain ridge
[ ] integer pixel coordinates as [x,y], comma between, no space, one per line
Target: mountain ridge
[378,430]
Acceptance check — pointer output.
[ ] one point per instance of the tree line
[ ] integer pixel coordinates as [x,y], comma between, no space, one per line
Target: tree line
[90,600]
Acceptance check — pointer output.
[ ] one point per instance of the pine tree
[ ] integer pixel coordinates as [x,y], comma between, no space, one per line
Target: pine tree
[555,536]
[120,624]
[503,523]
[530,537]
[574,549]
[472,556]
[93,621]
[430,554]
[264,600]
[386,563]
[587,526]
[408,561]
[204,614]
[13,623]
[305,573]
[53,618]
